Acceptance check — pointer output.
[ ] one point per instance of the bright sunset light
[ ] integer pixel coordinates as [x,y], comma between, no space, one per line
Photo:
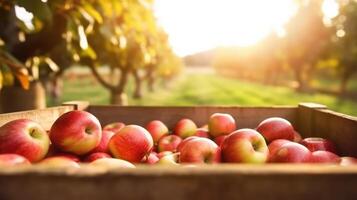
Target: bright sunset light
[196,25]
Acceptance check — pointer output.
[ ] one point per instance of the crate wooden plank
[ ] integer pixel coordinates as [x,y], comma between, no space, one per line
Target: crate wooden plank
[246,117]
[224,182]
[340,128]
[45,117]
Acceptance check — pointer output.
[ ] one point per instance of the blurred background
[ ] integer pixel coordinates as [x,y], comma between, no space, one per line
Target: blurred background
[178,52]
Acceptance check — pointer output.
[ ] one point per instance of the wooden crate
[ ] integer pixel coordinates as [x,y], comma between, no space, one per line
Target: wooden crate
[223,181]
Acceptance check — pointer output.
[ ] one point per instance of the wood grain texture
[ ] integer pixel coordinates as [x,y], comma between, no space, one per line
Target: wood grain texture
[218,182]
[246,117]
[45,117]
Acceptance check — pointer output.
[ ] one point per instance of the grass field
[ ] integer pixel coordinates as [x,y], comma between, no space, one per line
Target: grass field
[207,89]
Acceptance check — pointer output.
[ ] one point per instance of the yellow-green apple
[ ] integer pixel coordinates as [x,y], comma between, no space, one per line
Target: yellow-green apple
[297,137]
[104,141]
[221,124]
[70,156]
[219,140]
[131,143]
[316,144]
[77,132]
[24,137]
[200,150]
[324,157]
[275,145]
[114,127]
[157,129]
[202,132]
[10,160]
[291,152]
[345,161]
[152,158]
[184,141]
[97,155]
[276,128]
[164,153]
[185,128]
[244,146]
[112,163]
[169,159]
[58,162]
[169,143]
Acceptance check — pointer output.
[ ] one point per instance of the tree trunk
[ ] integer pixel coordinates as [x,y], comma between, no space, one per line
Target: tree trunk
[138,82]
[14,98]
[344,83]
[150,80]
[302,86]
[118,97]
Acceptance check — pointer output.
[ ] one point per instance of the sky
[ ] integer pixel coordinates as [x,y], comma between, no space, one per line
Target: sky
[198,25]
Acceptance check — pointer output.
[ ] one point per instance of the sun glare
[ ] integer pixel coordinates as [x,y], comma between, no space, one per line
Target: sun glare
[196,25]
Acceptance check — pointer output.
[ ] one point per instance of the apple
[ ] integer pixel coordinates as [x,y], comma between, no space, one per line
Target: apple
[157,129]
[114,127]
[219,140]
[67,155]
[103,144]
[275,145]
[324,157]
[152,158]
[131,143]
[316,144]
[345,161]
[24,137]
[169,159]
[291,152]
[244,146]
[10,160]
[200,150]
[169,143]
[221,124]
[77,132]
[185,128]
[297,137]
[97,155]
[202,132]
[164,153]
[276,128]
[184,141]
[58,162]
[112,163]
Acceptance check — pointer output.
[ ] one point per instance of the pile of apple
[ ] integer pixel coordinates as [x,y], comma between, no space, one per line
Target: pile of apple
[77,136]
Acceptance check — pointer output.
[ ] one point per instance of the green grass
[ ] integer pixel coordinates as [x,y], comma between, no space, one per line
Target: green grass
[207,89]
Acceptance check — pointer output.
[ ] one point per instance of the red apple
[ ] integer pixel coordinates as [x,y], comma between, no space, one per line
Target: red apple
[202,132]
[112,163]
[219,140]
[131,143]
[169,159]
[345,161]
[221,124]
[324,157]
[58,162]
[152,158]
[75,158]
[157,129]
[24,137]
[275,145]
[114,127]
[103,145]
[297,137]
[200,150]
[291,152]
[10,160]
[76,132]
[244,146]
[276,128]
[169,143]
[184,141]
[97,155]
[185,128]
[316,144]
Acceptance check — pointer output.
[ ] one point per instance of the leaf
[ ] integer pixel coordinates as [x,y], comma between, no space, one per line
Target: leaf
[92,12]
[1,80]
